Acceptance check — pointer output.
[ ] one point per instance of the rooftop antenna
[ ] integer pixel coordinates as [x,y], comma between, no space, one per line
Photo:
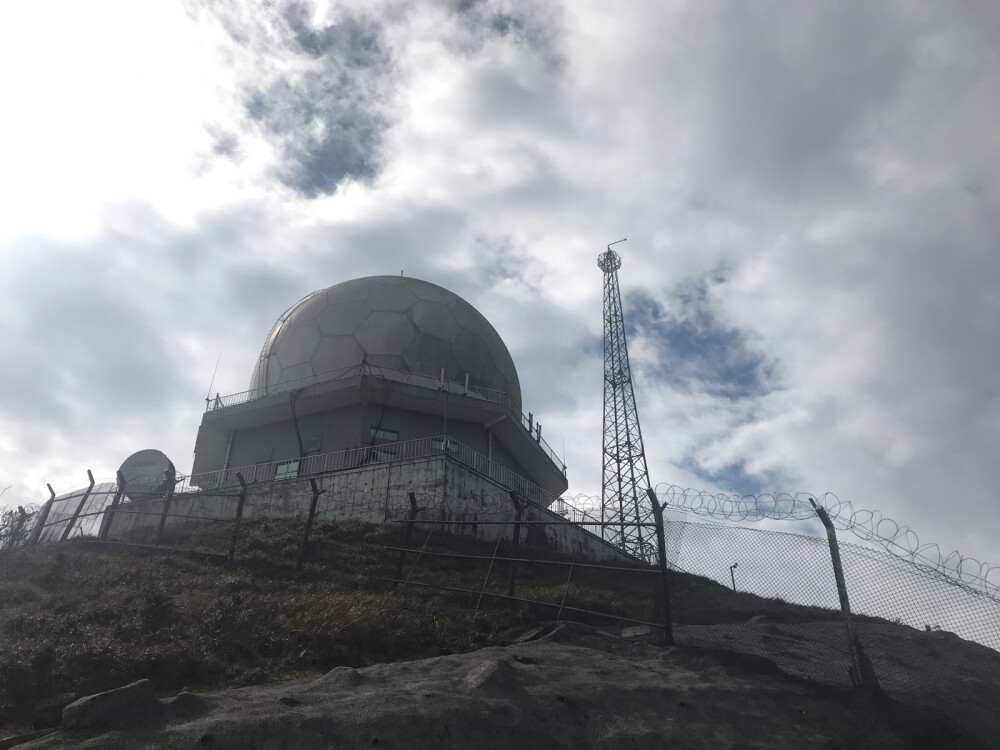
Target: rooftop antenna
[625,476]
[208,396]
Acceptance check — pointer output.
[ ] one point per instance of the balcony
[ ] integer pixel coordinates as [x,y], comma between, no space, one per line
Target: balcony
[364,369]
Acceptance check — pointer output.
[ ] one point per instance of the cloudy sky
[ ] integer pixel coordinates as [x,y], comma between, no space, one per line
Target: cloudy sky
[810,194]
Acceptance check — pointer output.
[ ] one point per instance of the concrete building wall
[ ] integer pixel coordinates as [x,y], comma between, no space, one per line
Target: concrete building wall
[263,444]
[350,427]
[336,431]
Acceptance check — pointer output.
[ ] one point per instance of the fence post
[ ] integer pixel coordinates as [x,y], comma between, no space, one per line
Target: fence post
[388,489]
[858,675]
[486,580]
[171,480]
[309,523]
[109,513]
[79,507]
[43,516]
[18,529]
[661,547]
[569,577]
[408,541]
[239,513]
[516,539]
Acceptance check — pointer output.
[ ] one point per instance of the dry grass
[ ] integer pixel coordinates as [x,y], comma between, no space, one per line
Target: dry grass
[77,618]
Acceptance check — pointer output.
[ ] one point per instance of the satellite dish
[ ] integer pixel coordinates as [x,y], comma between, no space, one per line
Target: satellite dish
[148,472]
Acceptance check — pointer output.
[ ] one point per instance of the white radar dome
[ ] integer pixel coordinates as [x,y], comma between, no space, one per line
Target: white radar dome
[389,321]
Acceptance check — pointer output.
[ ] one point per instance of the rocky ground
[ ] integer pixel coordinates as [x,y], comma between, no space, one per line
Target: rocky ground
[570,686]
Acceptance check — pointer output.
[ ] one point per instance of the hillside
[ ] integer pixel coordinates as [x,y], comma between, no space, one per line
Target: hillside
[78,619]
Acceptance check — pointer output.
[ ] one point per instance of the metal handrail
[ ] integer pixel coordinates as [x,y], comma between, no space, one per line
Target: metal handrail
[491,395]
[373,454]
[342,373]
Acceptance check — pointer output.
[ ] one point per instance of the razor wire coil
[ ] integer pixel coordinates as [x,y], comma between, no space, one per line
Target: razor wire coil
[867,525]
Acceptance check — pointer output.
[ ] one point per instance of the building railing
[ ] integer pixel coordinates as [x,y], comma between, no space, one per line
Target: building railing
[370,455]
[361,368]
[491,395]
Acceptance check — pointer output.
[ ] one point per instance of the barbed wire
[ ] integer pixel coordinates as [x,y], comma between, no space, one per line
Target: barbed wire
[14,527]
[895,577]
[867,525]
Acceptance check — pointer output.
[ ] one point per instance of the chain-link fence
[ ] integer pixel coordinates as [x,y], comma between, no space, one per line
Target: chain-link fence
[503,550]
[878,604]
[110,513]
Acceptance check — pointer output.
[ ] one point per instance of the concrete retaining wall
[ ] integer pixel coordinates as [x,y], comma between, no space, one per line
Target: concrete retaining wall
[470,503]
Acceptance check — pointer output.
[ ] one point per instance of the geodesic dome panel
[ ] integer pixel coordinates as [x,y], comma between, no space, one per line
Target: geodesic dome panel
[298,344]
[428,351]
[338,349]
[390,321]
[340,318]
[385,332]
[394,297]
[434,319]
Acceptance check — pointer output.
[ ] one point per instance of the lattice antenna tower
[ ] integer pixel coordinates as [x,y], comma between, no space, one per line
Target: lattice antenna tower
[624,504]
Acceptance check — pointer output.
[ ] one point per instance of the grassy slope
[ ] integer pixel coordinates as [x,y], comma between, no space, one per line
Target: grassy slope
[78,619]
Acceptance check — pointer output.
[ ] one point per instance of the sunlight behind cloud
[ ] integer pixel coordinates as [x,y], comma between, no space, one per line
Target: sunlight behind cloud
[112,105]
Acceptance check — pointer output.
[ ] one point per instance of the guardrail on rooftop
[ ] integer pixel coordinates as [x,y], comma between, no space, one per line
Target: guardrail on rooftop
[399,376]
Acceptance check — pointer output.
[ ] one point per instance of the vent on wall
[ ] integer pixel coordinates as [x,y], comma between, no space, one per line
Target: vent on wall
[313,445]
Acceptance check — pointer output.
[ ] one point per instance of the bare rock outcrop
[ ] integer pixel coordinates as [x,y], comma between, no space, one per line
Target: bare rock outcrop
[567,686]
[133,703]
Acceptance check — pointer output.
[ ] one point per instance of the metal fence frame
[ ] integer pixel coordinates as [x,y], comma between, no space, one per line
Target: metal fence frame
[96,506]
[661,623]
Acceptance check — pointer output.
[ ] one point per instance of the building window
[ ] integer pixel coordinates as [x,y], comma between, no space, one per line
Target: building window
[384,455]
[287,470]
[380,434]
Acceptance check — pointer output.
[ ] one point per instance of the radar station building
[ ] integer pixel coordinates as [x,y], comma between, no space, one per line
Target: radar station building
[375,371]
[380,399]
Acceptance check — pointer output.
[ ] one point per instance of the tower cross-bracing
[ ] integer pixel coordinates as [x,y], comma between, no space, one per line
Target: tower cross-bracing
[625,509]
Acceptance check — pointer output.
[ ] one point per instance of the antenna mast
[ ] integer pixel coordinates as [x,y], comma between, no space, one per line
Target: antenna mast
[624,503]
